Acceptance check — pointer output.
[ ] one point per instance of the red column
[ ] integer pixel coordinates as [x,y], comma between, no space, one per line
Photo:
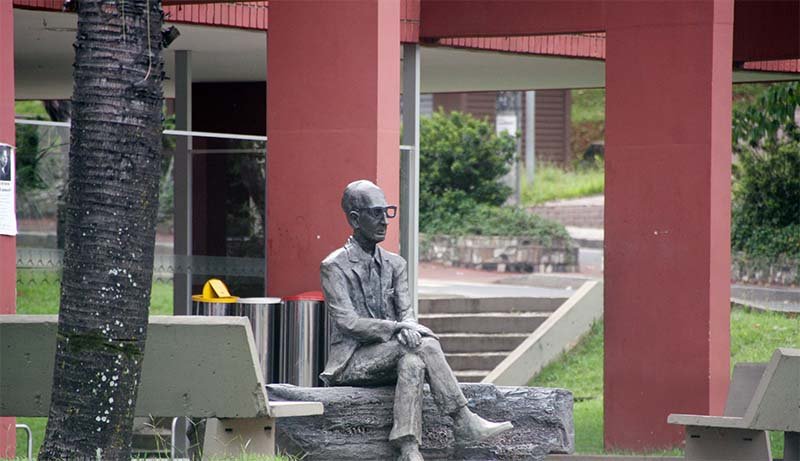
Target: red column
[333,92]
[8,248]
[667,247]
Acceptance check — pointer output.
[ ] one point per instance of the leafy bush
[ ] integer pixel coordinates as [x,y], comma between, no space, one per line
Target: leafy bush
[766,201]
[769,119]
[459,153]
[493,220]
[461,163]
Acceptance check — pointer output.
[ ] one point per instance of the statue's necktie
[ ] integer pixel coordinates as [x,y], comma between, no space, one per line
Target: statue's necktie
[376,303]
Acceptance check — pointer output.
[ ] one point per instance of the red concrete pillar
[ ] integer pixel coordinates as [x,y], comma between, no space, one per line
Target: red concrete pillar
[667,217]
[333,92]
[8,247]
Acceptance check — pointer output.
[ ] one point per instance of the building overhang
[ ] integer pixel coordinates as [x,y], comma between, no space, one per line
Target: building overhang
[43,60]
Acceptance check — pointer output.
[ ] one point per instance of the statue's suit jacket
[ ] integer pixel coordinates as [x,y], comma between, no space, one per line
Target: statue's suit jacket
[344,278]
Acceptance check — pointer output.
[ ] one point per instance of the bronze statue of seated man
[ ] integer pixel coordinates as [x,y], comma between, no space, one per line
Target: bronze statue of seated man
[375,338]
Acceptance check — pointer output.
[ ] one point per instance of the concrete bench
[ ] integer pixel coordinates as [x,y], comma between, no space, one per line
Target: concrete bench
[762,397]
[198,367]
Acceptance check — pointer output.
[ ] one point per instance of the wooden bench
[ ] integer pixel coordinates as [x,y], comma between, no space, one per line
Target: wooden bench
[198,367]
[762,397]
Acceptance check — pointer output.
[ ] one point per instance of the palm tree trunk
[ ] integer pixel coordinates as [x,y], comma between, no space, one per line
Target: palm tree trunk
[111,205]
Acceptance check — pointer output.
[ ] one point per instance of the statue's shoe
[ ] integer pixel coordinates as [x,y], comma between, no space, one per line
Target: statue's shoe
[470,427]
[410,455]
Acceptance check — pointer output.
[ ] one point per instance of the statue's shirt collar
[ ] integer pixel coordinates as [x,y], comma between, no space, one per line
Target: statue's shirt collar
[357,254]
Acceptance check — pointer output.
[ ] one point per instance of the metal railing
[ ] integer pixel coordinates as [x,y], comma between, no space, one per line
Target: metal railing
[27,429]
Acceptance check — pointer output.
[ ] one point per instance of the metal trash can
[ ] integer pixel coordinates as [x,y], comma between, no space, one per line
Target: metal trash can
[263,316]
[303,338]
[215,300]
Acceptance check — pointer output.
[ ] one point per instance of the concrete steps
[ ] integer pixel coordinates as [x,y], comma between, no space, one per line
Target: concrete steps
[483,361]
[481,342]
[490,322]
[478,333]
[483,305]
[470,376]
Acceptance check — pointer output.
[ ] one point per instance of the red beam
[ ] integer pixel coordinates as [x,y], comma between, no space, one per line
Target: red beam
[766,30]
[483,18]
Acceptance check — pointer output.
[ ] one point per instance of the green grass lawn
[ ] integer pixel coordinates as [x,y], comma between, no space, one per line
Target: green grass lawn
[553,183]
[754,337]
[38,294]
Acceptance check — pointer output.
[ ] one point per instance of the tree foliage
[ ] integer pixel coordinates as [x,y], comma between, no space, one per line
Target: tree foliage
[461,155]
[28,159]
[766,190]
[769,120]
[766,201]
[462,161]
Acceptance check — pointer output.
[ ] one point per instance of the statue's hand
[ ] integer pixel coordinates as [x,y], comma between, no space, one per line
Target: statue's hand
[409,338]
[425,331]
[421,329]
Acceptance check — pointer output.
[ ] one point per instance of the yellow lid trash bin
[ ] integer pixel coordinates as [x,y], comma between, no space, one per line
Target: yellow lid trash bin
[215,299]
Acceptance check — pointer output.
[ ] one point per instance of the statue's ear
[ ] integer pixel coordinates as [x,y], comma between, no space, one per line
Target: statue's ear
[352,219]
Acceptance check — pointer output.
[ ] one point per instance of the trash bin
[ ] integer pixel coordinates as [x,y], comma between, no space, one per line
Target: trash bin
[303,337]
[215,300]
[263,316]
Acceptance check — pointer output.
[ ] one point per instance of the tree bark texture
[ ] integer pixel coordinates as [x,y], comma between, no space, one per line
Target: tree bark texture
[111,205]
[357,421]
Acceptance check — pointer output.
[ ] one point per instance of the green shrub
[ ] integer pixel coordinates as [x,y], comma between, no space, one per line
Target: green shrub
[468,218]
[461,154]
[461,163]
[766,201]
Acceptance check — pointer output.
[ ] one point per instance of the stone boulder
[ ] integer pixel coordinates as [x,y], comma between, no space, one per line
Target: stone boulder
[357,421]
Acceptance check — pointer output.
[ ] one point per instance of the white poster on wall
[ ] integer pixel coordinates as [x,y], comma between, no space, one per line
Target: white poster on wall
[8,217]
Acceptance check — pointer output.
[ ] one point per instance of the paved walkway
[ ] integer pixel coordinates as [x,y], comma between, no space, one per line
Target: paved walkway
[436,280]
[591,239]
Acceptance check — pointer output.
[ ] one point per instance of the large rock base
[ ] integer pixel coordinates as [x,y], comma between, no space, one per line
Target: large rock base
[357,421]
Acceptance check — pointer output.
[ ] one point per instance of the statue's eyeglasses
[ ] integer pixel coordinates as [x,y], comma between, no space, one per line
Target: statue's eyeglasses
[379,211]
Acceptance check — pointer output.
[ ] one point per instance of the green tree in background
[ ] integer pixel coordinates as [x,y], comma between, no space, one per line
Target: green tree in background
[28,159]
[769,120]
[766,191]
[461,162]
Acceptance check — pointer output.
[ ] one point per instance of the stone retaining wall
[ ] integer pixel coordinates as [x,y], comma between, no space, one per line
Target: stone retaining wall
[502,254]
[785,271]
[571,215]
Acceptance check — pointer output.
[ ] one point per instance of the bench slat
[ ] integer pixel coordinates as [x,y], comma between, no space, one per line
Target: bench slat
[288,409]
[707,421]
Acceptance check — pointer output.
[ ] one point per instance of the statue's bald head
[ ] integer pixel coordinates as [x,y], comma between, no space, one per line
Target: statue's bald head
[357,195]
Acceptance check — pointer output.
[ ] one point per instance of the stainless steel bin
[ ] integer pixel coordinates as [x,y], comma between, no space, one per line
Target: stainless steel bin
[303,338]
[263,316]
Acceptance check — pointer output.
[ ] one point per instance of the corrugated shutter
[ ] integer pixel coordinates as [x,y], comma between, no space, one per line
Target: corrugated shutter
[552,127]
[552,119]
